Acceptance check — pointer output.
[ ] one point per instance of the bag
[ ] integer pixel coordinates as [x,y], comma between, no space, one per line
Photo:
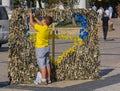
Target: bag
[38,78]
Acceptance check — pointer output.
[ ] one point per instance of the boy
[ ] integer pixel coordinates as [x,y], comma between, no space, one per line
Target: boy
[42,45]
[105,20]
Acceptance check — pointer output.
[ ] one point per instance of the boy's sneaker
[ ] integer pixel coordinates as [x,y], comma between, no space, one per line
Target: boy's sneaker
[43,83]
[49,82]
[35,82]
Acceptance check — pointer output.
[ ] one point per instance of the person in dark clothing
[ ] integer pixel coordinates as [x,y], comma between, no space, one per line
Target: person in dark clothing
[105,20]
[40,3]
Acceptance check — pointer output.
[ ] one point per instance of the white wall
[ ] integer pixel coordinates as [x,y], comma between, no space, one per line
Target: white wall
[81,4]
[6,3]
[9,6]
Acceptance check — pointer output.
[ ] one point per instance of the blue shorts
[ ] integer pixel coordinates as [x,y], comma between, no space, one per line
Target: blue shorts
[42,55]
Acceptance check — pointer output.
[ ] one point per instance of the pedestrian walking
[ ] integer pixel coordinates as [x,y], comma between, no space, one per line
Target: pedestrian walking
[42,45]
[100,12]
[94,8]
[110,11]
[105,20]
[118,11]
[107,12]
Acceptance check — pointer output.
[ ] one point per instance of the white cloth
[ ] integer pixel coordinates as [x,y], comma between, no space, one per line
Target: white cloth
[99,11]
[107,12]
[94,8]
[37,4]
[38,78]
[61,6]
[110,9]
[43,5]
[110,16]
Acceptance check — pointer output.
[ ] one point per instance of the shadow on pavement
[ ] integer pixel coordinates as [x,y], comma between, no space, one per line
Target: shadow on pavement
[91,86]
[111,48]
[88,86]
[64,42]
[4,84]
[110,42]
[105,72]
[4,49]
[110,54]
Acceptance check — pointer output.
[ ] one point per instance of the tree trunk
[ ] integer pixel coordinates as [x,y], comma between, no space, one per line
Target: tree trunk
[73,22]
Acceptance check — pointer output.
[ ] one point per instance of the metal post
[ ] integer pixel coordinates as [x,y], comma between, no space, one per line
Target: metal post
[53,67]
[53,42]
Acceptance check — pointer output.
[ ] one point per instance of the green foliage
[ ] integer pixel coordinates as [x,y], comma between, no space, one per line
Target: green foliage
[105,3]
[49,1]
[16,1]
[90,2]
[57,1]
[114,2]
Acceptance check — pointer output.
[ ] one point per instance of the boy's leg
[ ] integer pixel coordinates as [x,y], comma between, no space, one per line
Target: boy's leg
[49,73]
[43,73]
[40,54]
[48,67]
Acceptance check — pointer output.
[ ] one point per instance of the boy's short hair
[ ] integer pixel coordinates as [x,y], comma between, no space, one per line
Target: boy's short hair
[48,20]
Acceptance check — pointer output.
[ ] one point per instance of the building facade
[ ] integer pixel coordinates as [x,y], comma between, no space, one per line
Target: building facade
[81,4]
[7,3]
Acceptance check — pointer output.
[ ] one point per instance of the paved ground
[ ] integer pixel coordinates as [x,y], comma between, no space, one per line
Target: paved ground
[110,68]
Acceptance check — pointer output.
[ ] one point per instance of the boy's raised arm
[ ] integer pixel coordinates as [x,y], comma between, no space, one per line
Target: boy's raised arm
[31,20]
[37,20]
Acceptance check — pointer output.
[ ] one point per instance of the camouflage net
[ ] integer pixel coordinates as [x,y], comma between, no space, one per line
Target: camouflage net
[79,62]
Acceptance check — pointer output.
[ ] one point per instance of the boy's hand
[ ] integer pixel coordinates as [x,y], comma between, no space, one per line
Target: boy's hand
[30,14]
[31,19]
[33,14]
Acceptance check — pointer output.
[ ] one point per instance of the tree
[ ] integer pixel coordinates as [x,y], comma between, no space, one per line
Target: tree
[57,1]
[16,1]
[112,2]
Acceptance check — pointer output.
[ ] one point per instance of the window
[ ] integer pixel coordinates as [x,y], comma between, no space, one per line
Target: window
[3,14]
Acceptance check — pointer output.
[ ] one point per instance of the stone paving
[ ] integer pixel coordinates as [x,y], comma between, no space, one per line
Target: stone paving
[110,68]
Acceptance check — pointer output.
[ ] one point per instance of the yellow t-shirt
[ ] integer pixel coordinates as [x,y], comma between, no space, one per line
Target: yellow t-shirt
[42,36]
